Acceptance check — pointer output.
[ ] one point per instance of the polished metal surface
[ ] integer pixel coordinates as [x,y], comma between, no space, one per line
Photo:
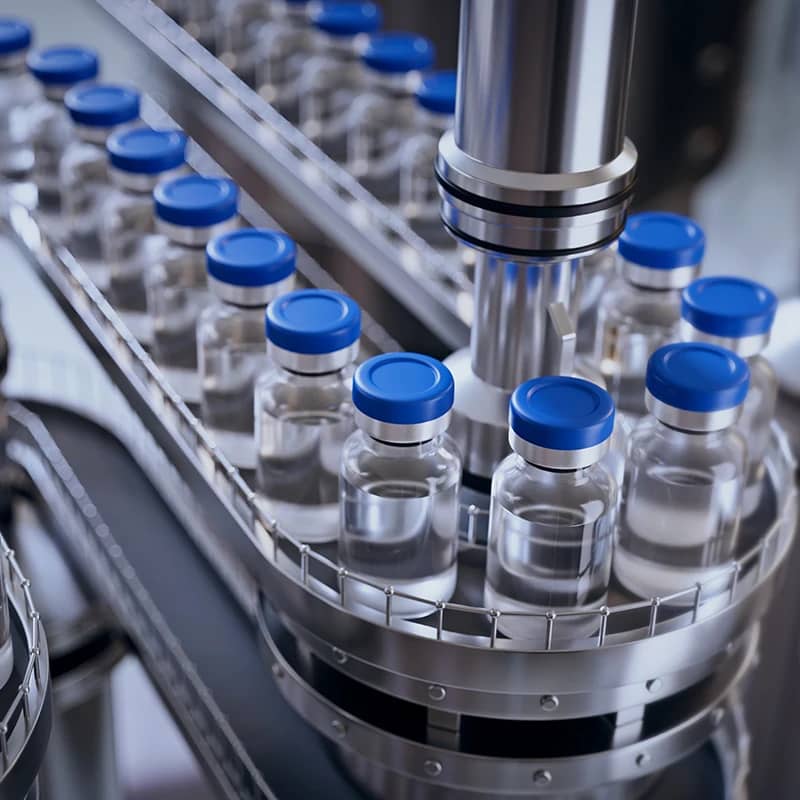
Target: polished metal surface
[509,329]
[137,182]
[542,84]
[699,421]
[658,278]
[26,713]
[313,363]
[250,296]
[744,346]
[557,459]
[487,769]
[395,433]
[190,236]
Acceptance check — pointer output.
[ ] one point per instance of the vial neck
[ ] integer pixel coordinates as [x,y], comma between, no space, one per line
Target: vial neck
[561,477]
[404,450]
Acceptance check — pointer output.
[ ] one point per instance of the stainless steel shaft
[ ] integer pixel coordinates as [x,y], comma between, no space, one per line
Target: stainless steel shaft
[542,85]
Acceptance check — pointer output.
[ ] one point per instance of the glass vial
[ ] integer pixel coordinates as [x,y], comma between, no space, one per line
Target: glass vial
[57,69]
[237,25]
[553,509]
[304,411]
[419,192]
[400,481]
[96,110]
[738,314]
[682,495]
[381,118]
[332,77]
[283,45]
[17,94]
[660,254]
[190,211]
[247,269]
[139,159]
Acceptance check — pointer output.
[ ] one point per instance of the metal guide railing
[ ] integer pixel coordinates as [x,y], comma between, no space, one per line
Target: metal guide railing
[19,720]
[167,663]
[721,590]
[308,170]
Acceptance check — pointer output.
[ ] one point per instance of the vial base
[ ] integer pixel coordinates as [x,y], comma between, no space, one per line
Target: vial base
[566,628]
[311,524]
[432,587]
[646,579]
[238,448]
[175,351]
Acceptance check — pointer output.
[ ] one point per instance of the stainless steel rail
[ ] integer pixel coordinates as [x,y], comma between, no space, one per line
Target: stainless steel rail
[25,724]
[421,278]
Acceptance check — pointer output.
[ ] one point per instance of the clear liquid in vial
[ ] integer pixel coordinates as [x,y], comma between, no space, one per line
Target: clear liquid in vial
[398,533]
[175,351]
[549,558]
[298,473]
[678,527]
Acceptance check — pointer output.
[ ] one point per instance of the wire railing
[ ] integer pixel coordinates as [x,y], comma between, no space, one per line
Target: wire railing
[22,714]
[300,562]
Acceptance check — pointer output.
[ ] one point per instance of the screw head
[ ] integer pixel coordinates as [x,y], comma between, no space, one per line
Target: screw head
[277,670]
[339,728]
[437,693]
[339,656]
[654,685]
[432,768]
[642,760]
[717,715]
[549,702]
[542,777]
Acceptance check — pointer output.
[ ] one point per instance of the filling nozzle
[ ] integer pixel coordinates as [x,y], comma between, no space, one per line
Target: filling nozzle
[536,175]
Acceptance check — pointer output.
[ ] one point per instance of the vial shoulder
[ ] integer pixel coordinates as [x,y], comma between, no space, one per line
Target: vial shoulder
[280,393]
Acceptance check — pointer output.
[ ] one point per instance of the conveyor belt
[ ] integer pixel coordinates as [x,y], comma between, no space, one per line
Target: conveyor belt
[219,639]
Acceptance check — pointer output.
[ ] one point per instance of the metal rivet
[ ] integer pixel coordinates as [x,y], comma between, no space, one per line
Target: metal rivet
[654,685]
[432,768]
[542,777]
[642,759]
[549,702]
[437,693]
[339,729]
[717,715]
[277,670]
[339,656]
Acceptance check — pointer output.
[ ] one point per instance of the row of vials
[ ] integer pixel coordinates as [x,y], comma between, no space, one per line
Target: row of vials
[360,455]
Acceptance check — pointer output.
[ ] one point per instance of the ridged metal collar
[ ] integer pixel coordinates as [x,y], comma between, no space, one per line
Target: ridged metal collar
[744,346]
[56,92]
[394,433]
[95,134]
[13,61]
[557,459]
[143,183]
[694,421]
[313,363]
[250,296]
[195,237]
[651,278]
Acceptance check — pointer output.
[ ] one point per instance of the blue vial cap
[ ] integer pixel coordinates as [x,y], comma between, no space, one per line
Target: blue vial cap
[251,257]
[196,201]
[403,388]
[561,413]
[661,240]
[15,35]
[695,376]
[437,92]
[347,19]
[63,65]
[102,105]
[729,307]
[313,321]
[398,52]
[145,151]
